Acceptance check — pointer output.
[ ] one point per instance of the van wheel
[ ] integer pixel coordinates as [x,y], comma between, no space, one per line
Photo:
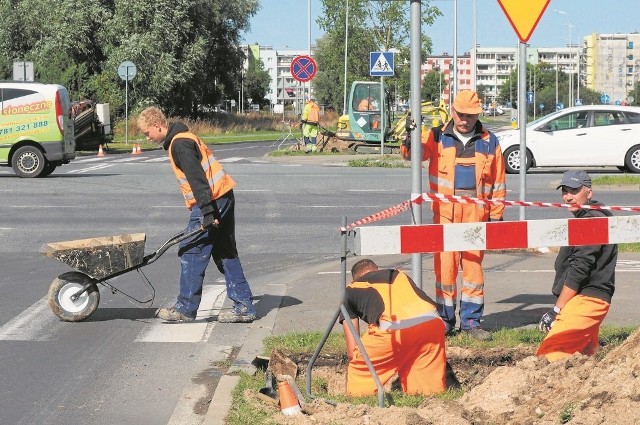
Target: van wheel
[28,161]
[48,169]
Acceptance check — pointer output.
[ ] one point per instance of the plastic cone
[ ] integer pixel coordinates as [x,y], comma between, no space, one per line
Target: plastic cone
[288,401]
[138,150]
[100,151]
[133,149]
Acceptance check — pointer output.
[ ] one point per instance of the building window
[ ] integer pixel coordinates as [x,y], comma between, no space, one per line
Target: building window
[630,46]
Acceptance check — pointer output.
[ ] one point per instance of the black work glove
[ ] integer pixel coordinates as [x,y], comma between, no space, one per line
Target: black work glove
[209,221]
[546,322]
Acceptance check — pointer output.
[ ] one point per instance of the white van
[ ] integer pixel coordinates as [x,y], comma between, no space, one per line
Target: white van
[36,128]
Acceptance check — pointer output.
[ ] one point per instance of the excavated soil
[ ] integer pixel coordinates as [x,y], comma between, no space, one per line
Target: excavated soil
[501,386]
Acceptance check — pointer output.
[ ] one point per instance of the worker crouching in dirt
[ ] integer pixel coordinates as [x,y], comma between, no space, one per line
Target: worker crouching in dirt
[584,282]
[405,334]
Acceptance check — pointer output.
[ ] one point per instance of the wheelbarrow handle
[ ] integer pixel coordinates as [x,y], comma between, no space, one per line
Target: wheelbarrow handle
[177,238]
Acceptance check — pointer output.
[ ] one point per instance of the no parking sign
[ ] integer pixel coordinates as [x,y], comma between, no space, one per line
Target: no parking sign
[303,68]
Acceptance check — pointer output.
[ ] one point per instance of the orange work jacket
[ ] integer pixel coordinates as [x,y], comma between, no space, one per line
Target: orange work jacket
[404,306]
[489,169]
[311,112]
[219,181]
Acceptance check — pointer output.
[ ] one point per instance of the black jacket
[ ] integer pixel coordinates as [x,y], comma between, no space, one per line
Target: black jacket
[588,269]
[186,156]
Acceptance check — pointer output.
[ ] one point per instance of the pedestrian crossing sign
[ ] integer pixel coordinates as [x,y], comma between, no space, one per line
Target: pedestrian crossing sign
[381,64]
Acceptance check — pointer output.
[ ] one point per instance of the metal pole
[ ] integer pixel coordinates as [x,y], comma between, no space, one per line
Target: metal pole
[522,122]
[416,145]
[383,98]
[346,45]
[475,45]
[556,81]
[454,86]
[126,108]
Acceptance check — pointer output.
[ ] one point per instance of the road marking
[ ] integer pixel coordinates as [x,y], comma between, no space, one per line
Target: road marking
[232,159]
[33,324]
[161,159]
[213,297]
[130,159]
[80,161]
[95,167]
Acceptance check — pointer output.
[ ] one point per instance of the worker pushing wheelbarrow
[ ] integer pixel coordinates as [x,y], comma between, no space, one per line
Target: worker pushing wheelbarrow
[74,296]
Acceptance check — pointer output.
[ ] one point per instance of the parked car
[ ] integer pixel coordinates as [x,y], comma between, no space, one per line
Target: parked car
[581,136]
[490,111]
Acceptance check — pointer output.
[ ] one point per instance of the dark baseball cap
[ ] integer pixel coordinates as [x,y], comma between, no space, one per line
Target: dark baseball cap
[575,179]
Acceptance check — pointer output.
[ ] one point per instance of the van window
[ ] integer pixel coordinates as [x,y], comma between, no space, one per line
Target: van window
[8,94]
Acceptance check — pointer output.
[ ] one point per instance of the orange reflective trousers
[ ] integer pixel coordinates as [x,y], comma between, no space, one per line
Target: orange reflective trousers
[446,266]
[576,329]
[416,354]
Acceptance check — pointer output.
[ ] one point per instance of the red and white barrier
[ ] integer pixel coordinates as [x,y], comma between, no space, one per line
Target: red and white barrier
[411,239]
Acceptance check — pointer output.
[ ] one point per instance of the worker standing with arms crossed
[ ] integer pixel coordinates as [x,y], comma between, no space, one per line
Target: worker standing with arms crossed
[465,159]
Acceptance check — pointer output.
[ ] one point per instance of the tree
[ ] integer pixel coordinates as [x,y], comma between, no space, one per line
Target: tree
[373,26]
[256,82]
[431,86]
[181,48]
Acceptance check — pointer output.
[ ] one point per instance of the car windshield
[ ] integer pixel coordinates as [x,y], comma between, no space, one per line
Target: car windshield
[532,123]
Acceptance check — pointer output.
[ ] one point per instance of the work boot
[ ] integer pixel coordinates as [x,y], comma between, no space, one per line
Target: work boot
[170,314]
[233,316]
[478,333]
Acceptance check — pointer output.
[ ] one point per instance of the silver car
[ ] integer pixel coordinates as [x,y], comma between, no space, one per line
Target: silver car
[581,136]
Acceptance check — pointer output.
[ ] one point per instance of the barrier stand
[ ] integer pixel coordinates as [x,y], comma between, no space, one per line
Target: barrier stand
[343,272]
[288,138]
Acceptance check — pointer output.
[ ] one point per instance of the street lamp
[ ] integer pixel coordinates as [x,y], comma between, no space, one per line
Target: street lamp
[571,102]
[346,37]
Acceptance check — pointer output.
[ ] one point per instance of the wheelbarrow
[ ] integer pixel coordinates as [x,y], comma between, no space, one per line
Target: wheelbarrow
[74,296]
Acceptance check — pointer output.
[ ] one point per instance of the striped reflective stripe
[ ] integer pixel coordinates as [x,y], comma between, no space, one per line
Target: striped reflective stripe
[407,323]
[473,287]
[434,180]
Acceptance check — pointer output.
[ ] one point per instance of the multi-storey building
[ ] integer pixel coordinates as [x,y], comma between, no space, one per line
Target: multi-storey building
[612,64]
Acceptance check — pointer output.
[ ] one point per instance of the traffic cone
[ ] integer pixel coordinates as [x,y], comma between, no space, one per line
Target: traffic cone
[100,151]
[138,150]
[133,150]
[288,401]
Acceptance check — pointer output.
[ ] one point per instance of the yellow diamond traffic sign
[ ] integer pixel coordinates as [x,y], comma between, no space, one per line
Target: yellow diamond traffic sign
[524,15]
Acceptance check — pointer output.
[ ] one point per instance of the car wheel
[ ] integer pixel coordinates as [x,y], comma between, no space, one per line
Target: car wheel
[512,160]
[28,161]
[632,159]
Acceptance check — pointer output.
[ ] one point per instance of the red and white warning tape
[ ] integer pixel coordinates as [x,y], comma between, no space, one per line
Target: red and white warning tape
[438,197]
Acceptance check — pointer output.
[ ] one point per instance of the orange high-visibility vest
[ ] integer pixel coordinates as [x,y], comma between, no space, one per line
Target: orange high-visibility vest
[489,169]
[219,181]
[311,112]
[403,306]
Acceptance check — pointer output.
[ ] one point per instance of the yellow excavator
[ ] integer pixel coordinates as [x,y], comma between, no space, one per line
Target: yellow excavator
[360,128]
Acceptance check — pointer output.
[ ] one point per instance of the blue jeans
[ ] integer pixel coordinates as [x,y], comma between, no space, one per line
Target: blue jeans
[219,244]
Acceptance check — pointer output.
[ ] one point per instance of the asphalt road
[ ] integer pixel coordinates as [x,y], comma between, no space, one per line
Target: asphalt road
[122,365]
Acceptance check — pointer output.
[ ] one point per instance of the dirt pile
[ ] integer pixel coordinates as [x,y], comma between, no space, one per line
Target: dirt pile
[509,387]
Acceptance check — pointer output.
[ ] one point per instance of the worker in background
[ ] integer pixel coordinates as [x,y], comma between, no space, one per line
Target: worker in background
[208,195]
[405,333]
[465,159]
[584,282]
[367,104]
[309,120]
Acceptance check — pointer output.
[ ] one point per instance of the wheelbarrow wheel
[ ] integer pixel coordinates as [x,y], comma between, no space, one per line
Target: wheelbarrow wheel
[61,292]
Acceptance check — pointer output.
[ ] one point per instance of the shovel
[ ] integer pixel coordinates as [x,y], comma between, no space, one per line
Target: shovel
[268,386]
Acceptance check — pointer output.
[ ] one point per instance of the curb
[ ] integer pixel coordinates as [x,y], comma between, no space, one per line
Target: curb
[252,347]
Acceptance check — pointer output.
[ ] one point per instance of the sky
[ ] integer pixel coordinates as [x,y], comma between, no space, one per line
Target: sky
[285,23]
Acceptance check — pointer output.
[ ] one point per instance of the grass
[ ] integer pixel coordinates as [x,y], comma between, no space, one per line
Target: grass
[615,180]
[385,162]
[296,343]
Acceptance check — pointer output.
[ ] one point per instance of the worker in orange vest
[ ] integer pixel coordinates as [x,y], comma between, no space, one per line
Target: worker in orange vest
[208,194]
[465,159]
[310,120]
[405,334]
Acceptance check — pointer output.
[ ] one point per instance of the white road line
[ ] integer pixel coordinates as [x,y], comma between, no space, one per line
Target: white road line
[95,167]
[33,324]
[130,159]
[232,159]
[213,297]
[93,159]
[161,159]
